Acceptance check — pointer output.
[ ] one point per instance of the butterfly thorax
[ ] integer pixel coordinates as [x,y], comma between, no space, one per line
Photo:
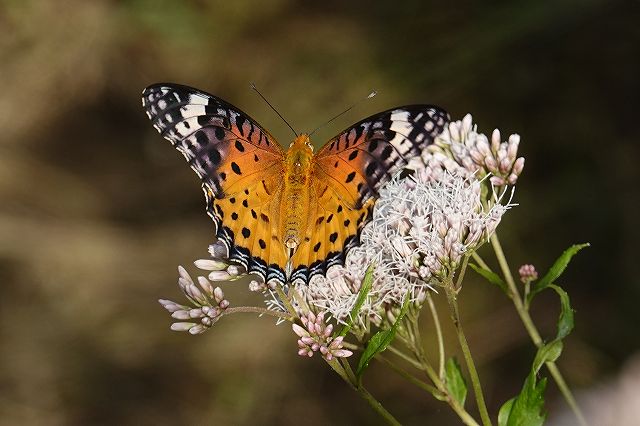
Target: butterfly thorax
[295,201]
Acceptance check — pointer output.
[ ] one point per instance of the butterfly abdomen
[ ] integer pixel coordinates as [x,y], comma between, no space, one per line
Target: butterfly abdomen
[296,196]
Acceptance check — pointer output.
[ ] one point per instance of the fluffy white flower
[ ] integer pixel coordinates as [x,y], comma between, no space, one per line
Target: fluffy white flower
[421,229]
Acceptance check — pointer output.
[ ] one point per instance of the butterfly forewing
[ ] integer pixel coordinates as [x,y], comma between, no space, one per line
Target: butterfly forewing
[240,166]
[348,173]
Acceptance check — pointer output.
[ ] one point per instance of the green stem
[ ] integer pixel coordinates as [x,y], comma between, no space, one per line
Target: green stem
[257,310]
[532,330]
[453,403]
[409,377]
[473,373]
[344,370]
[285,300]
[463,269]
[375,404]
[406,357]
[424,365]
[436,322]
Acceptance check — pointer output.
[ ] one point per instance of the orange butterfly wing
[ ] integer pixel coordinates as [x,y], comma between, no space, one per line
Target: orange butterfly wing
[240,166]
[347,174]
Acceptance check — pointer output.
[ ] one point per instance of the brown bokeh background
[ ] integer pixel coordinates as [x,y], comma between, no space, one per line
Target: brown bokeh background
[96,210]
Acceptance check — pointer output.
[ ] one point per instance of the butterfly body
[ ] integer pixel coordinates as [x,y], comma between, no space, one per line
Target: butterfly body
[287,216]
[297,192]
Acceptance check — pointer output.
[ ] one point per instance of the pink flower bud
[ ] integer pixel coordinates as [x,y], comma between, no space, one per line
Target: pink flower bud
[495,140]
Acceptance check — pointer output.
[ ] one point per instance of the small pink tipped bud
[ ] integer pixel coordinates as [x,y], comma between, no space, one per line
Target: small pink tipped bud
[218,295]
[518,166]
[210,264]
[182,326]
[495,140]
[528,273]
[206,286]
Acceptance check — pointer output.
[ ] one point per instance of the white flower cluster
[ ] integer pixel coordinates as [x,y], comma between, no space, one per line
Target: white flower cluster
[462,150]
[420,231]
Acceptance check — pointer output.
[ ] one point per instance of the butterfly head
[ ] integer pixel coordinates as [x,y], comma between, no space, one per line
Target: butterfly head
[302,142]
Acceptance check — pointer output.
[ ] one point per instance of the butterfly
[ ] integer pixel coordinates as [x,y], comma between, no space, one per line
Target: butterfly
[287,215]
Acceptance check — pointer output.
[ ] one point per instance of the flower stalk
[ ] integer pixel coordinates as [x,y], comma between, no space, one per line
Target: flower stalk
[464,346]
[529,325]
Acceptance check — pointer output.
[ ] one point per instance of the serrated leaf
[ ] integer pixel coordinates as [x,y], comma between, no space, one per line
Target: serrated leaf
[365,287]
[556,269]
[547,353]
[455,382]
[565,320]
[379,341]
[492,277]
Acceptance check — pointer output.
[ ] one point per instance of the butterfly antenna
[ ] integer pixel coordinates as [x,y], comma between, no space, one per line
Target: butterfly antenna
[253,86]
[369,96]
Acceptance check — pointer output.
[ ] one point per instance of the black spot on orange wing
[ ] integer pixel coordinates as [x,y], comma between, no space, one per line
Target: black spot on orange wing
[214,156]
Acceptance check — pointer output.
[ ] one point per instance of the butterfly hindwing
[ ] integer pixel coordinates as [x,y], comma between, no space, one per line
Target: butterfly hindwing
[240,166]
[348,172]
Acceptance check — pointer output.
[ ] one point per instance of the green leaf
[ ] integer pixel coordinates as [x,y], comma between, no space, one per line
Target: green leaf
[505,410]
[556,270]
[455,381]
[492,277]
[527,408]
[565,321]
[547,353]
[379,342]
[365,287]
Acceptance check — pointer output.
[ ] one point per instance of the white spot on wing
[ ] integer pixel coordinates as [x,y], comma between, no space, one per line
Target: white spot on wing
[196,99]
[399,122]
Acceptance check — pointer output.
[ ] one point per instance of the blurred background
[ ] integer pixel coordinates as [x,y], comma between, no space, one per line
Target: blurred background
[97,211]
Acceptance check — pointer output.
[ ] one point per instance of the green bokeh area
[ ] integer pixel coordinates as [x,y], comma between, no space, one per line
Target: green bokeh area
[97,211]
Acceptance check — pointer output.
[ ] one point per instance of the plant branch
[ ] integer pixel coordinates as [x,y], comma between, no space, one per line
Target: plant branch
[258,310]
[473,373]
[409,377]
[532,330]
[436,322]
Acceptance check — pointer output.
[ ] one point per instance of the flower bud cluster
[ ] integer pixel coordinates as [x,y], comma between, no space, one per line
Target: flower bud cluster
[219,267]
[315,336]
[528,273]
[460,146]
[207,304]
[431,225]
